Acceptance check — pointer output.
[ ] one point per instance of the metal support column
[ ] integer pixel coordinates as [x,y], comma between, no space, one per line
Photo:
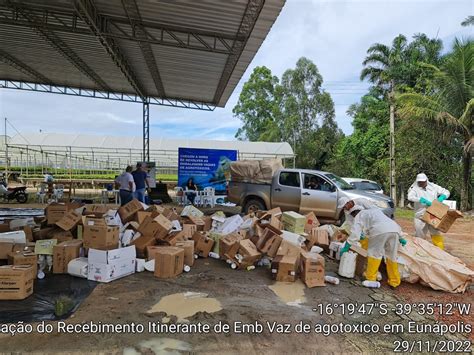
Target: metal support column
[146,131]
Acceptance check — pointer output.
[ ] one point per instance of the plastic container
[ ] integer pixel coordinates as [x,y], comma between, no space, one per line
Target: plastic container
[186,268]
[331,279]
[233,266]
[250,267]
[347,265]
[40,275]
[371,284]
[214,255]
[316,249]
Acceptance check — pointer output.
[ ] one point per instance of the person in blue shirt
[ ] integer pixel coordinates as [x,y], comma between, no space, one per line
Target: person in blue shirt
[140,177]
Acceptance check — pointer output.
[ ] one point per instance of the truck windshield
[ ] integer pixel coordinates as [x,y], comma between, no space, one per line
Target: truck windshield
[339,182]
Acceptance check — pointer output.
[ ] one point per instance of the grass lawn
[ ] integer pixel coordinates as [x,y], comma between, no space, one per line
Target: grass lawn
[404,213]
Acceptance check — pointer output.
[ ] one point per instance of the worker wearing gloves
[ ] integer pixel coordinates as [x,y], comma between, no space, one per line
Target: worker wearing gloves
[383,234]
[346,204]
[422,192]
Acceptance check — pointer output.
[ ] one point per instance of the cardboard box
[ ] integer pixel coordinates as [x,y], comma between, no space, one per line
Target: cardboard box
[319,237]
[229,246]
[19,223]
[128,211]
[141,215]
[6,247]
[63,253]
[190,210]
[98,235]
[286,248]
[69,221]
[311,222]
[312,269]
[207,223]
[109,265]
[249,253]
[16,282]
[54,212]
[141,244]
[97,211]
[169,261]
[439,216]
[199,222]
[202,244]
[284,268]
[272,245]
[45,246]
[189,230]
[4,227]
[268,232]
[61,235]
[24,258]
[170,214]
[339,235]
[43,233]
[293,222]
[28,233]
[361,260]
[172,238]
[188,247]
[157,227]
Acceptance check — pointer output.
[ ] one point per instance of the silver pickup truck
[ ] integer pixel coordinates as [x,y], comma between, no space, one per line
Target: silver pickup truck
[304,191]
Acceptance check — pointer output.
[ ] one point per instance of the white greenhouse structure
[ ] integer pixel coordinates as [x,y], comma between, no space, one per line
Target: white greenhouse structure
[93,153]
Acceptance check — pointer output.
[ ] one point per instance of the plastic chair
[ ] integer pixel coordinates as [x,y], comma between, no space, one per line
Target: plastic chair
[180,196]
[208,197]
[58,192]
[41,193]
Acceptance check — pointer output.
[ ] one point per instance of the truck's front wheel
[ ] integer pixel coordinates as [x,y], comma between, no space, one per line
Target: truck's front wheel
[254,205]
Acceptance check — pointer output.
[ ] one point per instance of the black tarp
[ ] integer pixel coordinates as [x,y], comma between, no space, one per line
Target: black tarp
[43,303]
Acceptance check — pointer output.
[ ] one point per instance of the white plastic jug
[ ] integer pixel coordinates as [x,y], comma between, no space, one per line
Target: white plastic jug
[347,265]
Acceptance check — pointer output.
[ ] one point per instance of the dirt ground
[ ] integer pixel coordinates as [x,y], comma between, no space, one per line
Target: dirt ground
[245,296]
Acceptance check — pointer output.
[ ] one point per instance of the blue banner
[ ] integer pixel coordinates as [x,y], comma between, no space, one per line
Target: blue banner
[206,167]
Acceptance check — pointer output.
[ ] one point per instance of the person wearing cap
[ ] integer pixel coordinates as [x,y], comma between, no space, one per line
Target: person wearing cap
[383,235]
[422,193]
[346,204]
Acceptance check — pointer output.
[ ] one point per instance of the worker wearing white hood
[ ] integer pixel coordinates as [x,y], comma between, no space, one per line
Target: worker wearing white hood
[422,193]
[383,235]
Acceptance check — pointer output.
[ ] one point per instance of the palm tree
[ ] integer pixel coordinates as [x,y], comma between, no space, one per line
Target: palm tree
[469,21]
[451,103]
[382,67]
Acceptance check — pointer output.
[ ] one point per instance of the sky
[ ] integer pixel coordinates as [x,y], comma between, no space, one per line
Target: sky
[334,34]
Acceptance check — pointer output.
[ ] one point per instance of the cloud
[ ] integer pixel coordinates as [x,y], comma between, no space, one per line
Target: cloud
[334,34]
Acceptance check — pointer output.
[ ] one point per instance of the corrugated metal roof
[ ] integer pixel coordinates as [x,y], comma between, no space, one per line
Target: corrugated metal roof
[186,73]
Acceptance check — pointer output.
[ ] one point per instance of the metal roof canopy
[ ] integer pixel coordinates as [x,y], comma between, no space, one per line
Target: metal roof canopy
[181,53]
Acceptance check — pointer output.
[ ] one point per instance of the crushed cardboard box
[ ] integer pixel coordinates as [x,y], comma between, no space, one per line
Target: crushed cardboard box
[439,216]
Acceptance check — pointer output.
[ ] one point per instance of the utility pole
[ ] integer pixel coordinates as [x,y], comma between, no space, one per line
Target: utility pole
[393,185]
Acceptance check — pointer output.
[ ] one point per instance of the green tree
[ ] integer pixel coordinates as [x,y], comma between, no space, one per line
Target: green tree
[384,67]
[450,104]
[258,107]
[298,111]
[469,21]
[396,68]
[364,153]
[308,115]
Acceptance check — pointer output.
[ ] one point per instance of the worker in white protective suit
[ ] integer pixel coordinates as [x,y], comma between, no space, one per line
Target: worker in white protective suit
[422,193]
[383,235]
[346,204]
